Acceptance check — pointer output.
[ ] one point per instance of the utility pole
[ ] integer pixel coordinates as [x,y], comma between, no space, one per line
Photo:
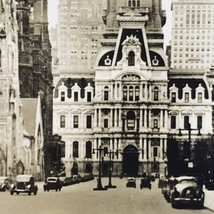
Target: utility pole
[99,181]
[110,168]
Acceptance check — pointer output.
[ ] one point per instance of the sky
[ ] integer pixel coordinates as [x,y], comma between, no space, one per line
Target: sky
[52,16]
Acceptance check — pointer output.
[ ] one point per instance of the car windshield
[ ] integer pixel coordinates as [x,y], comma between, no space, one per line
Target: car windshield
[191,182]
[23,179]
[52,179]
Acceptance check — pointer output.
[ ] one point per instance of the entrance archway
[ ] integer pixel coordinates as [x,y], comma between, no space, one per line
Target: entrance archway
[130,161]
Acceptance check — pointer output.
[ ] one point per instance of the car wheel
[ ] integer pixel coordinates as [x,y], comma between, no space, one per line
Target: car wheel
[11,193]
[48,190]
[35,192]
[59,189]
[29,193]
[17,193]
[173,203]
[56,190]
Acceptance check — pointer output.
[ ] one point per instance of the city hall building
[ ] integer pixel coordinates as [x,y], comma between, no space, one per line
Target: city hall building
[126,111]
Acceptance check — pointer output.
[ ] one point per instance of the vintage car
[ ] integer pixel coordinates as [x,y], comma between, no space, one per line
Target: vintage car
[5,183]
[187,191]
[131,182]
[52,183]
[24,184]
[145,183]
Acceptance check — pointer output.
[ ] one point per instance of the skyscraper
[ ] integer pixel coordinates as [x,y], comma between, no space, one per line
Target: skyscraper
[79,31]
[192,34]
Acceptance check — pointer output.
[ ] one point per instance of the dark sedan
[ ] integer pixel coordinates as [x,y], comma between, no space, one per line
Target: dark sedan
[52,183]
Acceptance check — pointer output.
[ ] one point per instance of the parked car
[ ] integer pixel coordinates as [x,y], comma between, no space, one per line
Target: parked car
[186,190]
[24,184]
[209,182]
[5,183]
[67,181]
[145,183]
[52,183]
[131,182]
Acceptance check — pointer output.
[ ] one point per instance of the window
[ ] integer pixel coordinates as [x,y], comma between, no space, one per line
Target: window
[105,123]
[69,93]
[137,93]
[186,97]
[173,122]
[75,96]
[186,122]
[75,149]
[131,93]
[156,94]
[88,96]
[62,121]
[62,96]
[199,122]
[131,58]
[106,93]
[88,121]
[199,97]
[155,125]
[88,149]
[155,151]
[105,149]
[75,122]
[130,120]
[125,93]
[173,98]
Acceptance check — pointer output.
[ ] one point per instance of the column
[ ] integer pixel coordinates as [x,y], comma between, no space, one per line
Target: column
[141,118]
[149,118]
[99,118]
[95,118]
[146,91]
[161,149]
[120,118]
[111,144]
[145,118]
[145,148]
[166,119]
[111,118]
[161,119]
[148,148]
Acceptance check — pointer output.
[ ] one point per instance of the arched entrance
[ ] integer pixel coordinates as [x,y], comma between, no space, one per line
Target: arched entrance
[130,161]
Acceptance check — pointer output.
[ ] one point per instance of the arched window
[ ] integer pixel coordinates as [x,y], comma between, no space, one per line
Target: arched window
[131,58]
[130,120]
[125,91]
[88,152]
[106,93]
[130,3]
[137,93]
[131,93]
[75,149]
[156,93]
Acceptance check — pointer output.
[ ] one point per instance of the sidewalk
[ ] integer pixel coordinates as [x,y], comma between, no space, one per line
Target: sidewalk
[209,199]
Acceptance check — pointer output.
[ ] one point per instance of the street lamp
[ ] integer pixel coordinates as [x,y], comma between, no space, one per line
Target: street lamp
[188,127]
[99,182]
[110,168]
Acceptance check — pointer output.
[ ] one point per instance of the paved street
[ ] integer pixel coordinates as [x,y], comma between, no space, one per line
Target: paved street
[80,198]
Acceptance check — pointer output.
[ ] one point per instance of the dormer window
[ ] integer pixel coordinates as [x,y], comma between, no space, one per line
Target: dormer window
[173,97]
[131,58]
[62,96]
[76,96]
[199,97]
[186,97]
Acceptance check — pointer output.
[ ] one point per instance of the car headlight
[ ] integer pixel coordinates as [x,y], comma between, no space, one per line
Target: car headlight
[28,186]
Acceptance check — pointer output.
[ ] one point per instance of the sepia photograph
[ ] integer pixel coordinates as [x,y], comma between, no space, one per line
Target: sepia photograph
[107,106]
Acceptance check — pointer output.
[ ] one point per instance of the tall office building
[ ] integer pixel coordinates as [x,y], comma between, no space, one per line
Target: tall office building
[192,34]
[79,32]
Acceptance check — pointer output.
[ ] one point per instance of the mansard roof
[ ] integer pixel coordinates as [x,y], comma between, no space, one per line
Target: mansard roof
[70,82]
[193,83]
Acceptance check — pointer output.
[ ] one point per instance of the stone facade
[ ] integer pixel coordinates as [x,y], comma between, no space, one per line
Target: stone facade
[10,118]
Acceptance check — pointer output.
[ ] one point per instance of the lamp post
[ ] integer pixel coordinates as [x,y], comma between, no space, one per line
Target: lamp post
[188,127]
[110,168]
[99,181]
